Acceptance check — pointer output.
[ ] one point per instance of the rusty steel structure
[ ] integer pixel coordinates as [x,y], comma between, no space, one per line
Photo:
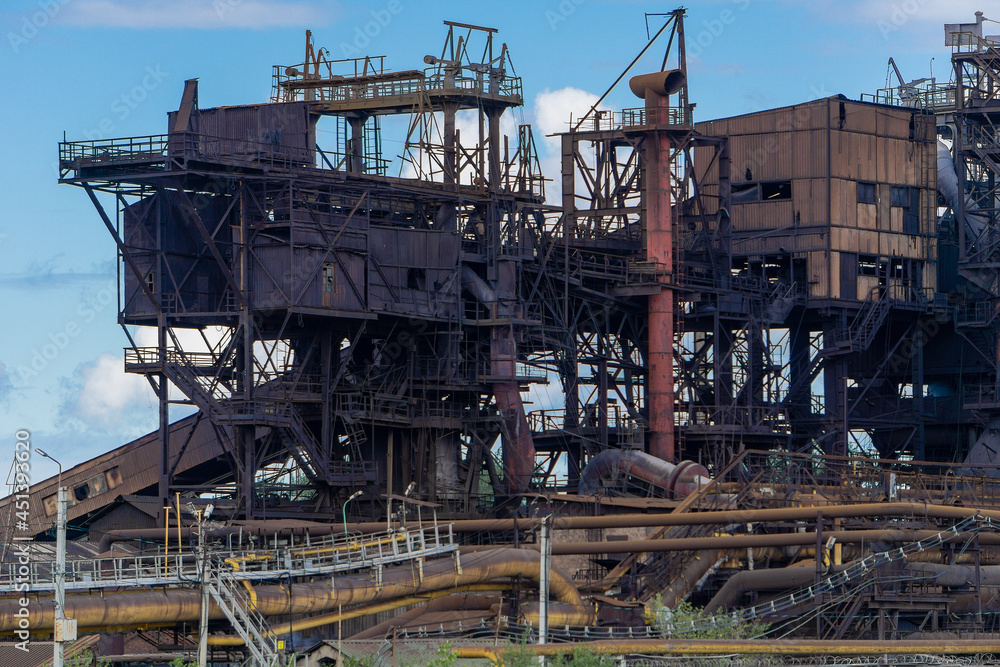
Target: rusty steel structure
[775,338]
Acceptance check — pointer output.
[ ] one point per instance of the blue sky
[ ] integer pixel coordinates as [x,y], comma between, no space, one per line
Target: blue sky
[114,68]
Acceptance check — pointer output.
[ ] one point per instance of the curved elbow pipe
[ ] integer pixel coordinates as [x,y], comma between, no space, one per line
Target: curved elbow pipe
[478,287]
[679,480]
[759,580]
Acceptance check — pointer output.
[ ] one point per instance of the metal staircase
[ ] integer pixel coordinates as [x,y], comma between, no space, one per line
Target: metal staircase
[235,602]
[304,447]
[868,321]
[198,375]
[859,334]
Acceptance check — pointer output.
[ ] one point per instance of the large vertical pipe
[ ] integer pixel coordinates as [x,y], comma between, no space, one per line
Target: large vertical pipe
[655,89]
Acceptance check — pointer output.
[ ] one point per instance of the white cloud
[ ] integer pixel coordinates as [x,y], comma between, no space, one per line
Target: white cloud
[107,392]
[554,108]
[553,111]
[467,128]
[191,14]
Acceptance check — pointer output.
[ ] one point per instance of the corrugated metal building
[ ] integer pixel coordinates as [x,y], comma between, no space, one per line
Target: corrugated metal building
[850,187]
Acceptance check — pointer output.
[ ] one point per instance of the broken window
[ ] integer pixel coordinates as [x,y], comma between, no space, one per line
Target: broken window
[867,193]
[329,278]
[867,265]
[745,193]
[775,190]
[907,198]
[416,278]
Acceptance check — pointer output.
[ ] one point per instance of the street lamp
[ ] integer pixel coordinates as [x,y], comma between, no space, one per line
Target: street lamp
[60,631]
[353,496]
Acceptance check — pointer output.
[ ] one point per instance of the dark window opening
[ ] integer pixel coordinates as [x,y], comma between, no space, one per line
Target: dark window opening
[416,278]
[867,193]
[744,193]
[82,492]
[329,278]
[908,199]
[151,281]
[843,116]
[899,196]
[867,265]
[776,190]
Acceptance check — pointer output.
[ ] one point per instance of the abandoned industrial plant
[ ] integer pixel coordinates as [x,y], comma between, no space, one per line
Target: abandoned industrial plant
[774,339]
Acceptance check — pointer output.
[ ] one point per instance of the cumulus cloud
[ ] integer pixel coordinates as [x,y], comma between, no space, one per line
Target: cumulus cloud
[191,14]
[553,111]
[101,395]
[107,394]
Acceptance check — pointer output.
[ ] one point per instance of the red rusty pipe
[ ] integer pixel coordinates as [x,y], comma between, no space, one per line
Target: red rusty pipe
[659,241]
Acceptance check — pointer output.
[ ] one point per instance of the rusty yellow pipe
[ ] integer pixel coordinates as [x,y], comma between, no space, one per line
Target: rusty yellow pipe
[743,646]
[167,606]
[235,563]
[366,610]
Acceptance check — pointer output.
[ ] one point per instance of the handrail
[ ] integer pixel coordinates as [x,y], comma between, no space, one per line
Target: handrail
[339,553]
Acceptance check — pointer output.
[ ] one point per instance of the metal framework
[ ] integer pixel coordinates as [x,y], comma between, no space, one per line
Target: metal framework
[739,292]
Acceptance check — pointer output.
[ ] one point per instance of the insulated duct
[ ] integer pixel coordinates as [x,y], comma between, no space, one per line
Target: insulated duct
[519,448]
[679,480]
[948,186]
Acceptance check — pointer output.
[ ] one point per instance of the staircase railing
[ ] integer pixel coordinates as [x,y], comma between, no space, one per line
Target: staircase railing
[235,602]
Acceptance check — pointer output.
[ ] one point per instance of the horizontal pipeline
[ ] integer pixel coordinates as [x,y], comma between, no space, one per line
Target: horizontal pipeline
[746,646]
[921,510]
[752,541]
[693,518]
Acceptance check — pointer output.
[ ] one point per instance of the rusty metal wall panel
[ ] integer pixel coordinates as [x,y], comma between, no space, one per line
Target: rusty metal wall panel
[764,215]
[809,199]
[808,153]
[762,157]
[137,464]
[280,129]
[123,517]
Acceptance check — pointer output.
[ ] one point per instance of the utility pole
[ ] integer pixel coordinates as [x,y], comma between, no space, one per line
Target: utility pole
[64,630]
[60,615]
[545,563]
[203,582]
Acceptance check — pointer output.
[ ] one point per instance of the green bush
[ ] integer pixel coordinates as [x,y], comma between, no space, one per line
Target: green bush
[359,661]
[677,621]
